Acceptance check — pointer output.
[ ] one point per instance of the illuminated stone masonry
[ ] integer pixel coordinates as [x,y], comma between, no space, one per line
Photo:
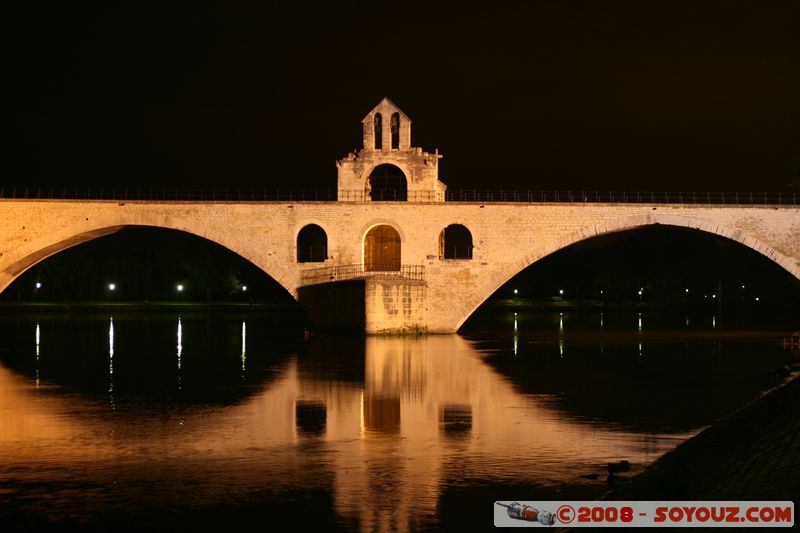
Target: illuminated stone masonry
[413,279]
[388,167]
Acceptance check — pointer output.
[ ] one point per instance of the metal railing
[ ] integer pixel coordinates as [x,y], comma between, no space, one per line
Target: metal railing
[314,276]
[627,197]
[468,196]
[312,253]
[456,252]
[170,195]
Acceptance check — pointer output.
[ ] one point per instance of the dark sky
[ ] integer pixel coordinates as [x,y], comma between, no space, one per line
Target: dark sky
[537,94]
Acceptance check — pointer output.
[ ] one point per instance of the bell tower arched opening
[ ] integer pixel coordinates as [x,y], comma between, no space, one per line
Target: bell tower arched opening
[378,129]
[395,130]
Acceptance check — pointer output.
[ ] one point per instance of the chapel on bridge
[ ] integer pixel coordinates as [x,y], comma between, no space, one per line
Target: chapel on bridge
[388,168]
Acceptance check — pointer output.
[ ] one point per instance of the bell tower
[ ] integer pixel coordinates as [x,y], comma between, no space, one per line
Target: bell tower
[387,167]
[386,128]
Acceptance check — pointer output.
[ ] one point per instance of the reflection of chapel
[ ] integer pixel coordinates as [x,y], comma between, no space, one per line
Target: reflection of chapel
[388,168]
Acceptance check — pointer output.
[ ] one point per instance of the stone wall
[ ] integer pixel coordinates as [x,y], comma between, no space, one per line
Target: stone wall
[335,307]
[395,306]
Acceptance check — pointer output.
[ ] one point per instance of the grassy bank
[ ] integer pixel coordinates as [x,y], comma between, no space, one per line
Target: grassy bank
[752,454]
[564,303]
[288,311]
[11,306]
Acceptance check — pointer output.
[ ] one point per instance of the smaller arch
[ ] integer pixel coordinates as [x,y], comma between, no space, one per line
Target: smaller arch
[312,244]
[382,249]
[394,125]
[378,129]
[387,182]
[455,242]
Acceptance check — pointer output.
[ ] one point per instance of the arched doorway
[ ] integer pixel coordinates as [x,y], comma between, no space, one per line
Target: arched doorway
[387,183]
[382,249]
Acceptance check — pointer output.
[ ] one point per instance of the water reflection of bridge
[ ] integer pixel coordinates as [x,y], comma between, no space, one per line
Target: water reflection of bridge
[386,429]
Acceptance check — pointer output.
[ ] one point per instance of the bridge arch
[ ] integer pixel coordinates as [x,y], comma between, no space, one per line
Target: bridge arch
[25,257]
[545,249]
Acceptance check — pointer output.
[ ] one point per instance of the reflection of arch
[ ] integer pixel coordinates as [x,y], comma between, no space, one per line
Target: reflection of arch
[312,244]
[615,225]
[387,182]
[382,249]
[455,242]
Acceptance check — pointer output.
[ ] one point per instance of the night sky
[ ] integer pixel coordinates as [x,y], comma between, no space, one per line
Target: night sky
[539,94]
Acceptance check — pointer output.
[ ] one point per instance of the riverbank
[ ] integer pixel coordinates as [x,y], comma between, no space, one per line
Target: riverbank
[751,454]
[288,314]
[12,307]
[539,304]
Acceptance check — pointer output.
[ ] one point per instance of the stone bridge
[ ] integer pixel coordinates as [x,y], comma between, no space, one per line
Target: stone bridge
[506,239]
[391,255]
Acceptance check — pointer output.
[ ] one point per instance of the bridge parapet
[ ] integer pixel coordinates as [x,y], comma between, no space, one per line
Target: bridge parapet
[315,276]
[743,198]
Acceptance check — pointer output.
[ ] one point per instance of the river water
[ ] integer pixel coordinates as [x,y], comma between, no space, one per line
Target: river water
[164,420]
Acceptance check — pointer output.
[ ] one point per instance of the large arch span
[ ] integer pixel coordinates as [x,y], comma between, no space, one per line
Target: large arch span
[35,251]
[545,249]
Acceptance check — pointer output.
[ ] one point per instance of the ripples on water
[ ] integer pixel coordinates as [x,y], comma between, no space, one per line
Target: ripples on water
[146,421]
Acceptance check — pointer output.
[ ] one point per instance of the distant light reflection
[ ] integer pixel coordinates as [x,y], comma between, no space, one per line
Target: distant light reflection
[640,334]
[37,355]
[111,358]
[244,346]
[180,350]
[516,334]
[561,334]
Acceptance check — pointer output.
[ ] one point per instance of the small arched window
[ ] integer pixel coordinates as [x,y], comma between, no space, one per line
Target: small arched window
[395,127]
[455,242]
[312,244]
[378,131]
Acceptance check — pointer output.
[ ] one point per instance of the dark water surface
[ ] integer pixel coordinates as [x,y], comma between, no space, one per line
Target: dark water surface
[159,421]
